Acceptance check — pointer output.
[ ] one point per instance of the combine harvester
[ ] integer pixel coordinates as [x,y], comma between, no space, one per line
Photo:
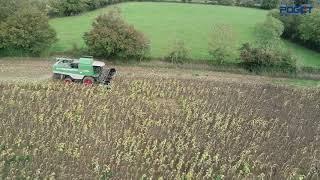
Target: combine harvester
[84,70]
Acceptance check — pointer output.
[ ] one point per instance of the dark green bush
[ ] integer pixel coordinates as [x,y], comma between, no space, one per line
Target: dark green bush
[111,36]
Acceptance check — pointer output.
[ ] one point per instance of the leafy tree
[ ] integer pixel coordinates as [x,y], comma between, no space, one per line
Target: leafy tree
[111,36]
[67,7]
[222,42]
[27,30]
[269,4]
[93,4]
[309,29]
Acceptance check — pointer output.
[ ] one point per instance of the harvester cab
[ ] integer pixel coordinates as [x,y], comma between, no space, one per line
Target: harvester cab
[84,70]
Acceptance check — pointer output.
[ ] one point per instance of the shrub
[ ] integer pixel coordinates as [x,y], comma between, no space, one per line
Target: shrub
[111,36]
[222,43]
[256,59]
[269,4]
[27,30]
[178,53]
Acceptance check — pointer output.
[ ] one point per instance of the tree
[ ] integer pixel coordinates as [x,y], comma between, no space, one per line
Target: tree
[26,30]
[269,4]
[226,2]
[309,29]
[222,42]
[68,7]
[111,36]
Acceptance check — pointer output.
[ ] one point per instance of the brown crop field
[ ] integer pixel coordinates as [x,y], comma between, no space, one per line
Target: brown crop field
[157,124]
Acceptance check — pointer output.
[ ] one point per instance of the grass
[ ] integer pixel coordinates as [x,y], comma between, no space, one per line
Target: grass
[299,82]
[163,23]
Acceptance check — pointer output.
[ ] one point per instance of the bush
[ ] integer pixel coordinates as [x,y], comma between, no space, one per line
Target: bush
[269,4]
[111,36]
[178,53]
[222,43]
[27,31]
[257,59]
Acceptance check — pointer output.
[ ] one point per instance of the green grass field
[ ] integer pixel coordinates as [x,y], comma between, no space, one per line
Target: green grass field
[163,23]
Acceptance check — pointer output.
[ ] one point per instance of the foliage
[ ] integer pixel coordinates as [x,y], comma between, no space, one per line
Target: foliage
[268,52]
[26,30]
[111,36]
[158,128]
[259,59]
[290,23]
[246,3]
[179,53]
[161,34]
[301,29]
[226,2]
[222,43]
[309,29]
[269,4]
[67,7]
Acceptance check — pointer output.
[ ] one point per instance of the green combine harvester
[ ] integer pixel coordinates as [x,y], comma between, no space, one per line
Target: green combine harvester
[84,70]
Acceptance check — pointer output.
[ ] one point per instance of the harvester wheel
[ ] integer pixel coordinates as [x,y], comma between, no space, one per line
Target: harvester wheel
[88,81]
[67,80]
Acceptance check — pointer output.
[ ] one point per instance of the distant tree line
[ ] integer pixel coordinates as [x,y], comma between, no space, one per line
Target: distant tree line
[304,29]
[73,7]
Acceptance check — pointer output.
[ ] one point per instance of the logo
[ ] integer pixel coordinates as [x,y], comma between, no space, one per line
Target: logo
[297,7]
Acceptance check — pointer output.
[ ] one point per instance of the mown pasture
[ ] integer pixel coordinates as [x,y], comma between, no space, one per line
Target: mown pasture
[164,23]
